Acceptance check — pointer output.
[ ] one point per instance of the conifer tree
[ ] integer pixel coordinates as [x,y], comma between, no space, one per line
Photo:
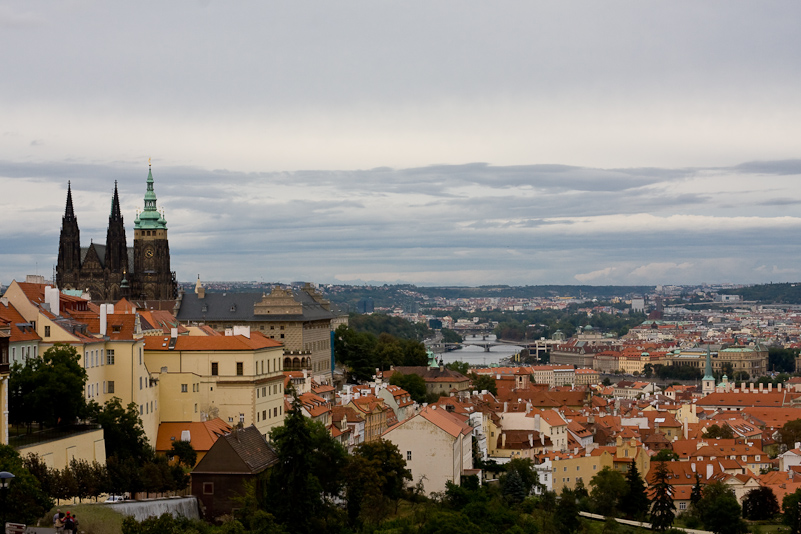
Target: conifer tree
[663,511]
[636,502]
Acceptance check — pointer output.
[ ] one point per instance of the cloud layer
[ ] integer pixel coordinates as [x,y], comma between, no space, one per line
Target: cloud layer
[465,224]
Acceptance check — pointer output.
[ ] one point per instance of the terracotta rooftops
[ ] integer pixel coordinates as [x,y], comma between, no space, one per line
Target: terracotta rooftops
[256,341]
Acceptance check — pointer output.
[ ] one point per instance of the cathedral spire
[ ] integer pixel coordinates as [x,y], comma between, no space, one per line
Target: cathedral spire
[69,212]
[116,213]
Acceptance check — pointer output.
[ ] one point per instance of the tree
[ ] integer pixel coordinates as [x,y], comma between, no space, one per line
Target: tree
[663,511]
[25,500]
[50,389]
[648,370]
[719,510]
[566,515]
[123,432]
[719,432]
[606,381]
[665,455]
[483,382]
[185,453]
[608,488]
[412,383]
[459,367]
[697,491]
[790,433]
[308,472]
[790,507]
[760,503]
[636,502]
[376,475]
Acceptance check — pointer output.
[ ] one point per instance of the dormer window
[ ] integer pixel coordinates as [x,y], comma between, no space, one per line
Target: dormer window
[233,307]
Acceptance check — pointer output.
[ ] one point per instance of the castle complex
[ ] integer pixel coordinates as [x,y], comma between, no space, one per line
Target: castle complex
[113,271]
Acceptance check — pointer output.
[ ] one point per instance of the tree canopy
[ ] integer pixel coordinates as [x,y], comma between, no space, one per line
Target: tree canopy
[48,390]
[663,511]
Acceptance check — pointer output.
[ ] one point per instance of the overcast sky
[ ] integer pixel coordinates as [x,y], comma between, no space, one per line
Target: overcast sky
[446,142]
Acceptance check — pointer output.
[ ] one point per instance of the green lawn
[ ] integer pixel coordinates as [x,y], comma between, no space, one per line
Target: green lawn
[93,518]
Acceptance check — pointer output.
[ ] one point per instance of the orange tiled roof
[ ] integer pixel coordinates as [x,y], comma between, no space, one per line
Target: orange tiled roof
[202,435]
[201,343]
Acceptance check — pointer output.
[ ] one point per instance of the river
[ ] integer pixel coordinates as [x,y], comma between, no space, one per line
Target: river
[475,355]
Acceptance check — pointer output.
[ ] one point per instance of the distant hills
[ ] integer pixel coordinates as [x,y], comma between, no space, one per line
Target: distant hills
[789,293]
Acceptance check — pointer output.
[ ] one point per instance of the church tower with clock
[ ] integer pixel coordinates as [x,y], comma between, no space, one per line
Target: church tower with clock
[153,278]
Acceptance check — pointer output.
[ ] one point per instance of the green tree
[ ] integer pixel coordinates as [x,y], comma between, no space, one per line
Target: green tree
[608,488]
[185,453]
[635,504]
[25,500]
[566,515]
[376,476]
[459,367]
[760,503]
[483,382]
[790,433]
[56,376]
[790,506]
[308,473]
[697,491]
[665,455]
[123,432]
[412,383]
[719,432]
[663,511]
[719,510]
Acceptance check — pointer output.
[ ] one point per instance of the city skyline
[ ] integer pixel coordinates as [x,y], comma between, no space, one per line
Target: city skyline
[518,143]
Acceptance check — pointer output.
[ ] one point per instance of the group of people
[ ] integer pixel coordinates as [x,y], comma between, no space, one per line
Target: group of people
[65,522]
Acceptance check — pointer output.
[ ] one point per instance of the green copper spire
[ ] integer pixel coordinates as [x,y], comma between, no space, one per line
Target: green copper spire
[708,370]
[150,218]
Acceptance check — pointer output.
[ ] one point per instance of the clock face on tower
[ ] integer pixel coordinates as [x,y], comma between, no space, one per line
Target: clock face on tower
[149,252]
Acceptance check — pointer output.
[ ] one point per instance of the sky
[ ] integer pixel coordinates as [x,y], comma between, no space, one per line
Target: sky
[434,143]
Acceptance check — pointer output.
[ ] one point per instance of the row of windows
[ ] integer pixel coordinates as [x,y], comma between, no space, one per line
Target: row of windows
[272,365]
[317,345]
[24,353]
[265,414]
[92,390]
[148,407]
[185,388]
[262,392]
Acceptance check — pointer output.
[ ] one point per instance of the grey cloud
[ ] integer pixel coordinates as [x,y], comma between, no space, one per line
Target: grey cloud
[781,167]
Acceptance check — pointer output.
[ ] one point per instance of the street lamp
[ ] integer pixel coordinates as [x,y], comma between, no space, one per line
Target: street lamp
[5,480]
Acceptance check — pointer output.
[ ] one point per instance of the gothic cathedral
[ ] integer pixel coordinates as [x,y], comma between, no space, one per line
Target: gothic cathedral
[113,271]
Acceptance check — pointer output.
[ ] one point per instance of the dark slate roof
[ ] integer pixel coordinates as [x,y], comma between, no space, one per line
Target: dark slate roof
[239,307]
[101,253]
[251,447]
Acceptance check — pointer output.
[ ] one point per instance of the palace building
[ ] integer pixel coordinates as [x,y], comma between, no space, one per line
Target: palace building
[114,270]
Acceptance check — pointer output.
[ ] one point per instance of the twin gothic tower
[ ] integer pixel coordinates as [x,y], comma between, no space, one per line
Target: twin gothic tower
[113,271]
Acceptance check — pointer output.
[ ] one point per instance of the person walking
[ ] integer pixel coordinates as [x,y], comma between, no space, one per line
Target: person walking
[69,524]
[58,521]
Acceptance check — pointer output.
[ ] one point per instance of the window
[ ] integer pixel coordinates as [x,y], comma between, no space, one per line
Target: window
[408,456]
[565,469]
[263,415]
[140,382]
[195,408]
[282,336]
[241,418]
[111,386]
[214,368]
[116,329]
[240,369]
[208,488]
[184,388]
[682,506]
[47,331]
[110,357]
